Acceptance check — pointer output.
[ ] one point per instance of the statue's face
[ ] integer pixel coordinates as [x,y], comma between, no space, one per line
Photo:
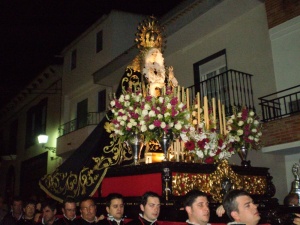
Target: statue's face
[153,54]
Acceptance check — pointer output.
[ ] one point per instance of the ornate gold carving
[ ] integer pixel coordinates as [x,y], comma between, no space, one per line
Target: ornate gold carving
[223,172]
[213,183]
[184,182]
[71,184]
[150,34]
[256,185]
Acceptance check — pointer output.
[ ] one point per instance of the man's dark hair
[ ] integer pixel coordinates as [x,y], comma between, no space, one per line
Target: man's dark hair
[16,199]
[229,201]
[111,197]
[191,196]
[29,202]
[49,203]
[86,199]
[147,195]
[287,200]
[68,200]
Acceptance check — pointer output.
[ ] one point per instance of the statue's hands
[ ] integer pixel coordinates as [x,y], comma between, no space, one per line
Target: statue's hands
[220,211]
[297,219]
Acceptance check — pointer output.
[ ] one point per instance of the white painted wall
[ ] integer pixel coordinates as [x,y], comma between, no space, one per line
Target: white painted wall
[285,40]
[247,43]
[118,29]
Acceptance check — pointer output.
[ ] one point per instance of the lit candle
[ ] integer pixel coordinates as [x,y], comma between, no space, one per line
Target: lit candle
[220,116]
[183,97]
[206,113]
[198,102]
[214,111]
[224,121]
[178,93]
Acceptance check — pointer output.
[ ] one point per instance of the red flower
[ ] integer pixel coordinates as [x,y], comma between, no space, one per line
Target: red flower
[190,145]
[201,144]
[209,160]
[157,123]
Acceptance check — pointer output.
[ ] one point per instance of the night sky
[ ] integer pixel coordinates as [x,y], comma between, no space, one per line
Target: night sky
[32,32]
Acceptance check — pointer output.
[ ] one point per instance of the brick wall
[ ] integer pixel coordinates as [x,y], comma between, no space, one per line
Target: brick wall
[279,11]
[281,131]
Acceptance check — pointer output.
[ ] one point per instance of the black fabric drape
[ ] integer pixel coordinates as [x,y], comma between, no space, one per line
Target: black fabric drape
[82,173]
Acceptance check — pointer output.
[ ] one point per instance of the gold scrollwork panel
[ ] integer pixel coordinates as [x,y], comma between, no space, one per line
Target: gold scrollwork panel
[215,184]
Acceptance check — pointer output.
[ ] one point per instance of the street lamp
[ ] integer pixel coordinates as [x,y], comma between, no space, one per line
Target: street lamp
[43,139]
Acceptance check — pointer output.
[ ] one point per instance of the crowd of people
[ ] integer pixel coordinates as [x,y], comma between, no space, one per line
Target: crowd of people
[237,204]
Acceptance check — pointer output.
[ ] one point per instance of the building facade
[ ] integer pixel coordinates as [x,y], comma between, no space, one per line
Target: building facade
[204,40]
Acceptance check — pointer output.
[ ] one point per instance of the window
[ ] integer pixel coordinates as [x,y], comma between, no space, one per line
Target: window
[73,59]
[206,74]
[102,101]
[36,122]
[82,113]
[99,41]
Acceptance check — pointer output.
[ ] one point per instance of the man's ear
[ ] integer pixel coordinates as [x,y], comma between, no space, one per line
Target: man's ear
[107,209]
[55,211]
[142,207]
[188,209]
[235,215]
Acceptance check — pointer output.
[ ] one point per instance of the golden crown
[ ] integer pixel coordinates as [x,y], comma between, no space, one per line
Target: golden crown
[150,34]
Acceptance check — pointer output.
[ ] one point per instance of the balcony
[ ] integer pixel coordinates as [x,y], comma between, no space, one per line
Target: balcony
[73,133]
[232,88]
[281,117]
[280,104]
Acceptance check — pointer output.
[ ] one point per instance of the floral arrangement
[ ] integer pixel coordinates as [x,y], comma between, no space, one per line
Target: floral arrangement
[245,128]
[207,145]
[132,113]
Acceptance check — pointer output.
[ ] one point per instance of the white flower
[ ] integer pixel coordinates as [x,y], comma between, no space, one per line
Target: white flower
[178,126]
[129,125]
[240,123]
[239,115]
[167,114]
[143,128]
[255,122]
[147,107]
[121,99]
[127,97]
[152,113]
[239,132]
[163,125]
[151,127]
[159,116]
[251,138]
[161,99]
[180,106]
[126,104]
[145,112]
[112,103]
[251,113]
[254,130]
[249,120]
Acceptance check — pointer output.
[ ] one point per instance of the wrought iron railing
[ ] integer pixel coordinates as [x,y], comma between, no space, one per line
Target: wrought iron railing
[280,104]
[92,118]
[232,88]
